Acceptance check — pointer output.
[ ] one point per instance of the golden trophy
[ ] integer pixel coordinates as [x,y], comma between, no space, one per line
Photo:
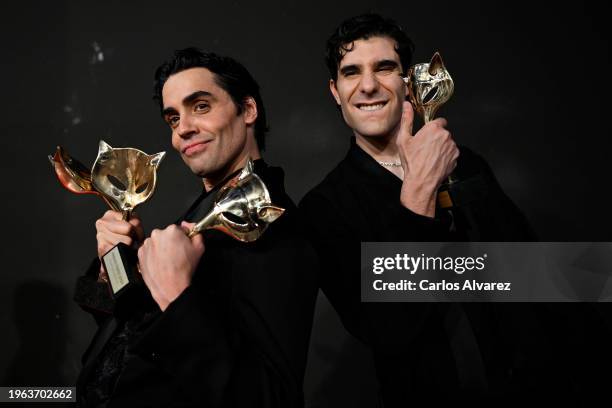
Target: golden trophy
[124,178]
[242,208]
[429,87]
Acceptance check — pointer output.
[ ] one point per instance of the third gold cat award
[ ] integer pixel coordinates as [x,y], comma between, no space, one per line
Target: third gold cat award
[124,178]
[429,87]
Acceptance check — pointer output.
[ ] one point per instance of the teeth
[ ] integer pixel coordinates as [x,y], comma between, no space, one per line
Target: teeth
[371,107]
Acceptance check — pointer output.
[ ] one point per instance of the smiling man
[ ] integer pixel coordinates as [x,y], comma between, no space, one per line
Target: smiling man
[219,145]
[229,322]
[385,190]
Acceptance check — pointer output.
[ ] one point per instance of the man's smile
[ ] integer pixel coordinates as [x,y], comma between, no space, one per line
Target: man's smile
[195,147]
[371,106]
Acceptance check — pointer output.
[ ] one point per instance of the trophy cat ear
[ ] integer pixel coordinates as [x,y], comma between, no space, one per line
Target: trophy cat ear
[269,213]
[104,147]
[156,158]
[436,64]
[247,170]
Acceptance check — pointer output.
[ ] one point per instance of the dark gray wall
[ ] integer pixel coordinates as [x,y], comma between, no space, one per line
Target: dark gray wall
[531,96]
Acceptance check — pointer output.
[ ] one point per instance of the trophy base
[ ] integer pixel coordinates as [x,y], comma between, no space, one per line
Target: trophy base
[445,199]
[125,283]
[456,192]
[120,265]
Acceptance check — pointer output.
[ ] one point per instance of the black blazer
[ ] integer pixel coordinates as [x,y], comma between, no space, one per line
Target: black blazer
[437,352]
[237,337]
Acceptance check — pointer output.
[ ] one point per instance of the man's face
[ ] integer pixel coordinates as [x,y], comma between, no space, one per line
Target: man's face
[369,88]
[206,129]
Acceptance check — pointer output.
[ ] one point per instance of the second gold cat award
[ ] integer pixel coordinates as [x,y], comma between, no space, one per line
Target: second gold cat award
[124,178]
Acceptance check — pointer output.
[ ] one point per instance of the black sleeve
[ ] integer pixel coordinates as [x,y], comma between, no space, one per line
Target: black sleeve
[245,351]
[92,296]
[485,209]
[337,242]
[403,225]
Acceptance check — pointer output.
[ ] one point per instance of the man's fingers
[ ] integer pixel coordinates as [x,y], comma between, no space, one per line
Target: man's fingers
[456,153]
[407,118]
[198,242]
[187,226]
[137,231]
[440,122]
[112,221]
[142,264]
[112,215]
[118,227]
[111,239]
[108,240]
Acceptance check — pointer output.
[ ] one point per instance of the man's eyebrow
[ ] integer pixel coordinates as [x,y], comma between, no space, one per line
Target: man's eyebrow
[168,111]
[192,97]
[386,63]
[347,68]
[186,100]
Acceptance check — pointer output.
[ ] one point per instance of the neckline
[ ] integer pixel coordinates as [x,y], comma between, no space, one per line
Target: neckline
[370,166]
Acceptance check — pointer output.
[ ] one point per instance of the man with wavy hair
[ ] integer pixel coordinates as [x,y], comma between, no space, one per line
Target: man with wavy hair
[385,189]
[228,323]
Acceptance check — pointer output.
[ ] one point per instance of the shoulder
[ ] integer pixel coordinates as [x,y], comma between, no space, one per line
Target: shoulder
[471,163]
[468,155]
[336,183]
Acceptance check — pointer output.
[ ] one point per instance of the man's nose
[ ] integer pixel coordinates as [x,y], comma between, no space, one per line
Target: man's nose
[186,127]
[369,83]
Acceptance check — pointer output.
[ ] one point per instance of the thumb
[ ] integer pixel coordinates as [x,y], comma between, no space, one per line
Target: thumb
[407,119]
[187,226]
[197,240]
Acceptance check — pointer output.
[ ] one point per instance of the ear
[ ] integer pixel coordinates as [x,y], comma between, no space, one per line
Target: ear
[334,91]
[269,213]
[249,110]
[156,158]
[103,147]
[247,170]
[436,64]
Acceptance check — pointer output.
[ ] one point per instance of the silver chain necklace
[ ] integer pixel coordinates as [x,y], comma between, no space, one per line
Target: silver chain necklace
[390,164]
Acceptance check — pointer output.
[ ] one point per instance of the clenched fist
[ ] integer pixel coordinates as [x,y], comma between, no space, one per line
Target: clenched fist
[168,260]
[111,229]
[428,158]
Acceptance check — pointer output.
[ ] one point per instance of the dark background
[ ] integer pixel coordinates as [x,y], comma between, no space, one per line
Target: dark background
[531,95]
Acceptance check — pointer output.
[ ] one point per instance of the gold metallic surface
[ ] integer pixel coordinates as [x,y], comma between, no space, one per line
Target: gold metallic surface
[444,199]
[242,208]
[429,86]
[73,175]
[123,177]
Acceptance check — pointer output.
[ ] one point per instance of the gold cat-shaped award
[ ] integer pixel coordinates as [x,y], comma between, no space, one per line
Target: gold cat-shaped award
[429,86]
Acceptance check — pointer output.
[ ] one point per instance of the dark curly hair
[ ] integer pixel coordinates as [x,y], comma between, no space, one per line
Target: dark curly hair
[364,27]
[229,74]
